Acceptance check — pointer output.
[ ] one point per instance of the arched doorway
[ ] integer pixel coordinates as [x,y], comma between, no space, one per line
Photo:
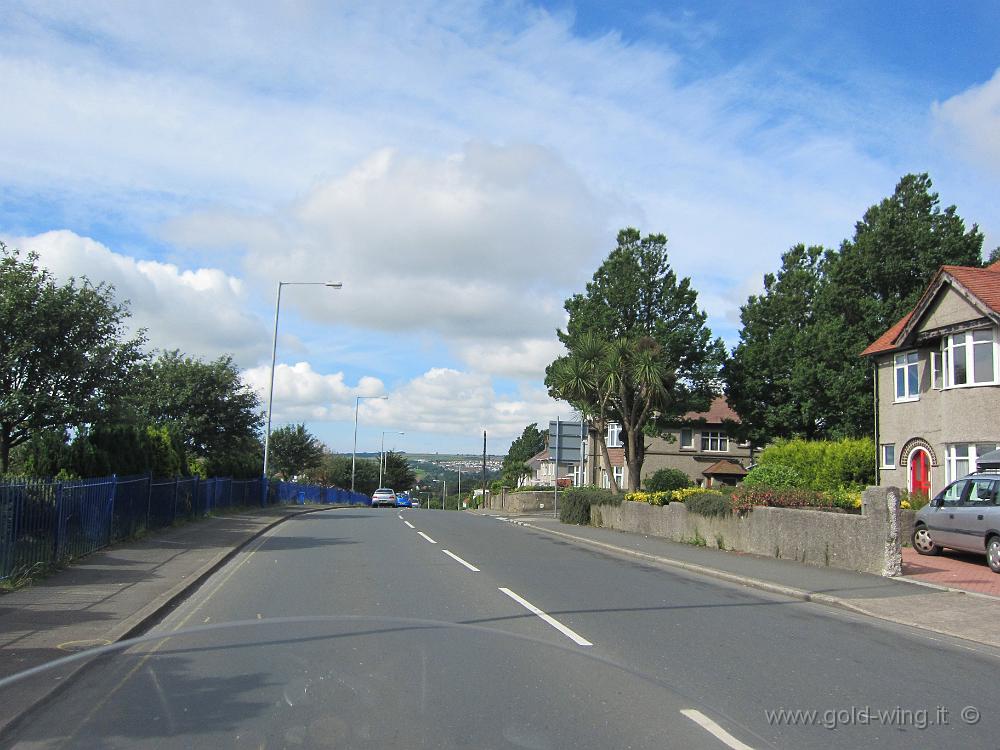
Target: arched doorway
[920,472]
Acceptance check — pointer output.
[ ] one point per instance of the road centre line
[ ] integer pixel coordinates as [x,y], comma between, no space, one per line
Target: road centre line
[409,524]
[426,537]
[714,729]
[568,632]
[455,557]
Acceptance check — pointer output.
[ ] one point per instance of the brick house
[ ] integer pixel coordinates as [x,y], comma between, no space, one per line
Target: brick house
[701,445]
[937,382]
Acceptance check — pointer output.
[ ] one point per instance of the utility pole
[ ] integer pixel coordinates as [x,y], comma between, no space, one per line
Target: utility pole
[459,506]
[484,469]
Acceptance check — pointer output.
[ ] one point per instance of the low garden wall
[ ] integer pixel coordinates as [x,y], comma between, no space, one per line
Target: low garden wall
[520,502]
[869,542]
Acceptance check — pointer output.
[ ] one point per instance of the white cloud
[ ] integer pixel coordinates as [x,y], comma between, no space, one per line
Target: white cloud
[200,311]
[444,400]
[970,122]
[301,394]
[525,359]
[483,242]
[441,400]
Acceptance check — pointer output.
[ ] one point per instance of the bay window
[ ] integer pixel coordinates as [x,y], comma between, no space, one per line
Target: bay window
[960,458]
[969,358]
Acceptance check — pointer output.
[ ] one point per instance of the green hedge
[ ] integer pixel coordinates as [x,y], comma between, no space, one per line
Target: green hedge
[666,480]
[709,504]
[824,465]
[575,503]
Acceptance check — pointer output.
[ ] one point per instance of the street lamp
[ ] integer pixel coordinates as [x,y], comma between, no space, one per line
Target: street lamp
[274,351]
[354,451]
[381,459]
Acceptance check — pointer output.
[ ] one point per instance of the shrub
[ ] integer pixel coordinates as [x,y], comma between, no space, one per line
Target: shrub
[653,498]
[681,496]
[825,465]
[575,503]
[666,480]
[745,498]
[773,475]
[708,503]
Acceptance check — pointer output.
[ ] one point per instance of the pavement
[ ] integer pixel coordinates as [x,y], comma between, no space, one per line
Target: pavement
[115,593]
[944,594]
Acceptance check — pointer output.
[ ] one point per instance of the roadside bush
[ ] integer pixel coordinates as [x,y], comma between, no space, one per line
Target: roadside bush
[681,496]
[653,498]
[825,465]
[744,498]
[773,475]
[666,480]
[708,503]
[575,503]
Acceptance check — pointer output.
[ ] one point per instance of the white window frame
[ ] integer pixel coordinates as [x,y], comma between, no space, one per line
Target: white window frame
[613,438]
[938,361]
[950,460]
[966,340]
[902,363]
[620,476]
[882,451]
[719,438]
[690,443]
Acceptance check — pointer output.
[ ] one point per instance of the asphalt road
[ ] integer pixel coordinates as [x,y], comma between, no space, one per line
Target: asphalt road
[420,628]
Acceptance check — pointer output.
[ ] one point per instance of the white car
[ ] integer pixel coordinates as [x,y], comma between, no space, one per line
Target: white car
[383,496]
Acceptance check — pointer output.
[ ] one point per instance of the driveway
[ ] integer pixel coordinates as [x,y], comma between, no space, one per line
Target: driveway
[960,570]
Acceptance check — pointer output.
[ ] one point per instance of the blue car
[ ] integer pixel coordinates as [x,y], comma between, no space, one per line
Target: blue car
[403,500]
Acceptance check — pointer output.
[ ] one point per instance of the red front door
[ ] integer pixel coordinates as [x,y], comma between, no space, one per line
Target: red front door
[920,473]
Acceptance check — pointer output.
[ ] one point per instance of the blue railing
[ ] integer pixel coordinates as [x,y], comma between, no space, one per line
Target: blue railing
[47,521]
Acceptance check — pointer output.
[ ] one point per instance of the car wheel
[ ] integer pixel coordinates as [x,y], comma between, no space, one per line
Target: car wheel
[923,543]
[993,553]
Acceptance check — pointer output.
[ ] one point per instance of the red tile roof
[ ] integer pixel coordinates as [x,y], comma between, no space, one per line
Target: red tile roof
[725,467]
[984,283]
[718,412]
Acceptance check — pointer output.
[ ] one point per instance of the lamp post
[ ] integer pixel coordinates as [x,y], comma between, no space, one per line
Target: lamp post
[354,451]
[274,351]
[381,459]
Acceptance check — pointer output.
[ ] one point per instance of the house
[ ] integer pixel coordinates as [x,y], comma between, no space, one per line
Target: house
[701,445]
[542,471]
[937,382]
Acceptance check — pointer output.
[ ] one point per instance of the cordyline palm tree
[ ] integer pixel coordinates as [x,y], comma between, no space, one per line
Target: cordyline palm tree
[586,380]
[641,387]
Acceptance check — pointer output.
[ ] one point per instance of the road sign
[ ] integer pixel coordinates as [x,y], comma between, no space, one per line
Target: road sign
[565,440]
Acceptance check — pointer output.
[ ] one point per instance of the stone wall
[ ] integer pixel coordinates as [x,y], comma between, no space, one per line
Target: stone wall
[521,502]
[869,542]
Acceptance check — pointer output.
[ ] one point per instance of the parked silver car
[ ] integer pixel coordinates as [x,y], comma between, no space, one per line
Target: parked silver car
[964,516]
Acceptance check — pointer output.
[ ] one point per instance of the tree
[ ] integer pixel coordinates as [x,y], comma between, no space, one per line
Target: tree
[797,371]
[335,471]
[397,472]
[770,378]
[663,361]
[585,378]
[294,451]
[218,416]
[514,466]
[875,279]
[65,356]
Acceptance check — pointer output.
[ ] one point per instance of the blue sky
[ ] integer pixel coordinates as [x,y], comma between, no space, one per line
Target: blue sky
[463,168]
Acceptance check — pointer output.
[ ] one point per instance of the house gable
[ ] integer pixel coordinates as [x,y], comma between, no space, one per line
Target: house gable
[949,308]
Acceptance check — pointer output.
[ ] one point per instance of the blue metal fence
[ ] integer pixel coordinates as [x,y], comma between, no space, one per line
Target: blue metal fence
[46,521]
